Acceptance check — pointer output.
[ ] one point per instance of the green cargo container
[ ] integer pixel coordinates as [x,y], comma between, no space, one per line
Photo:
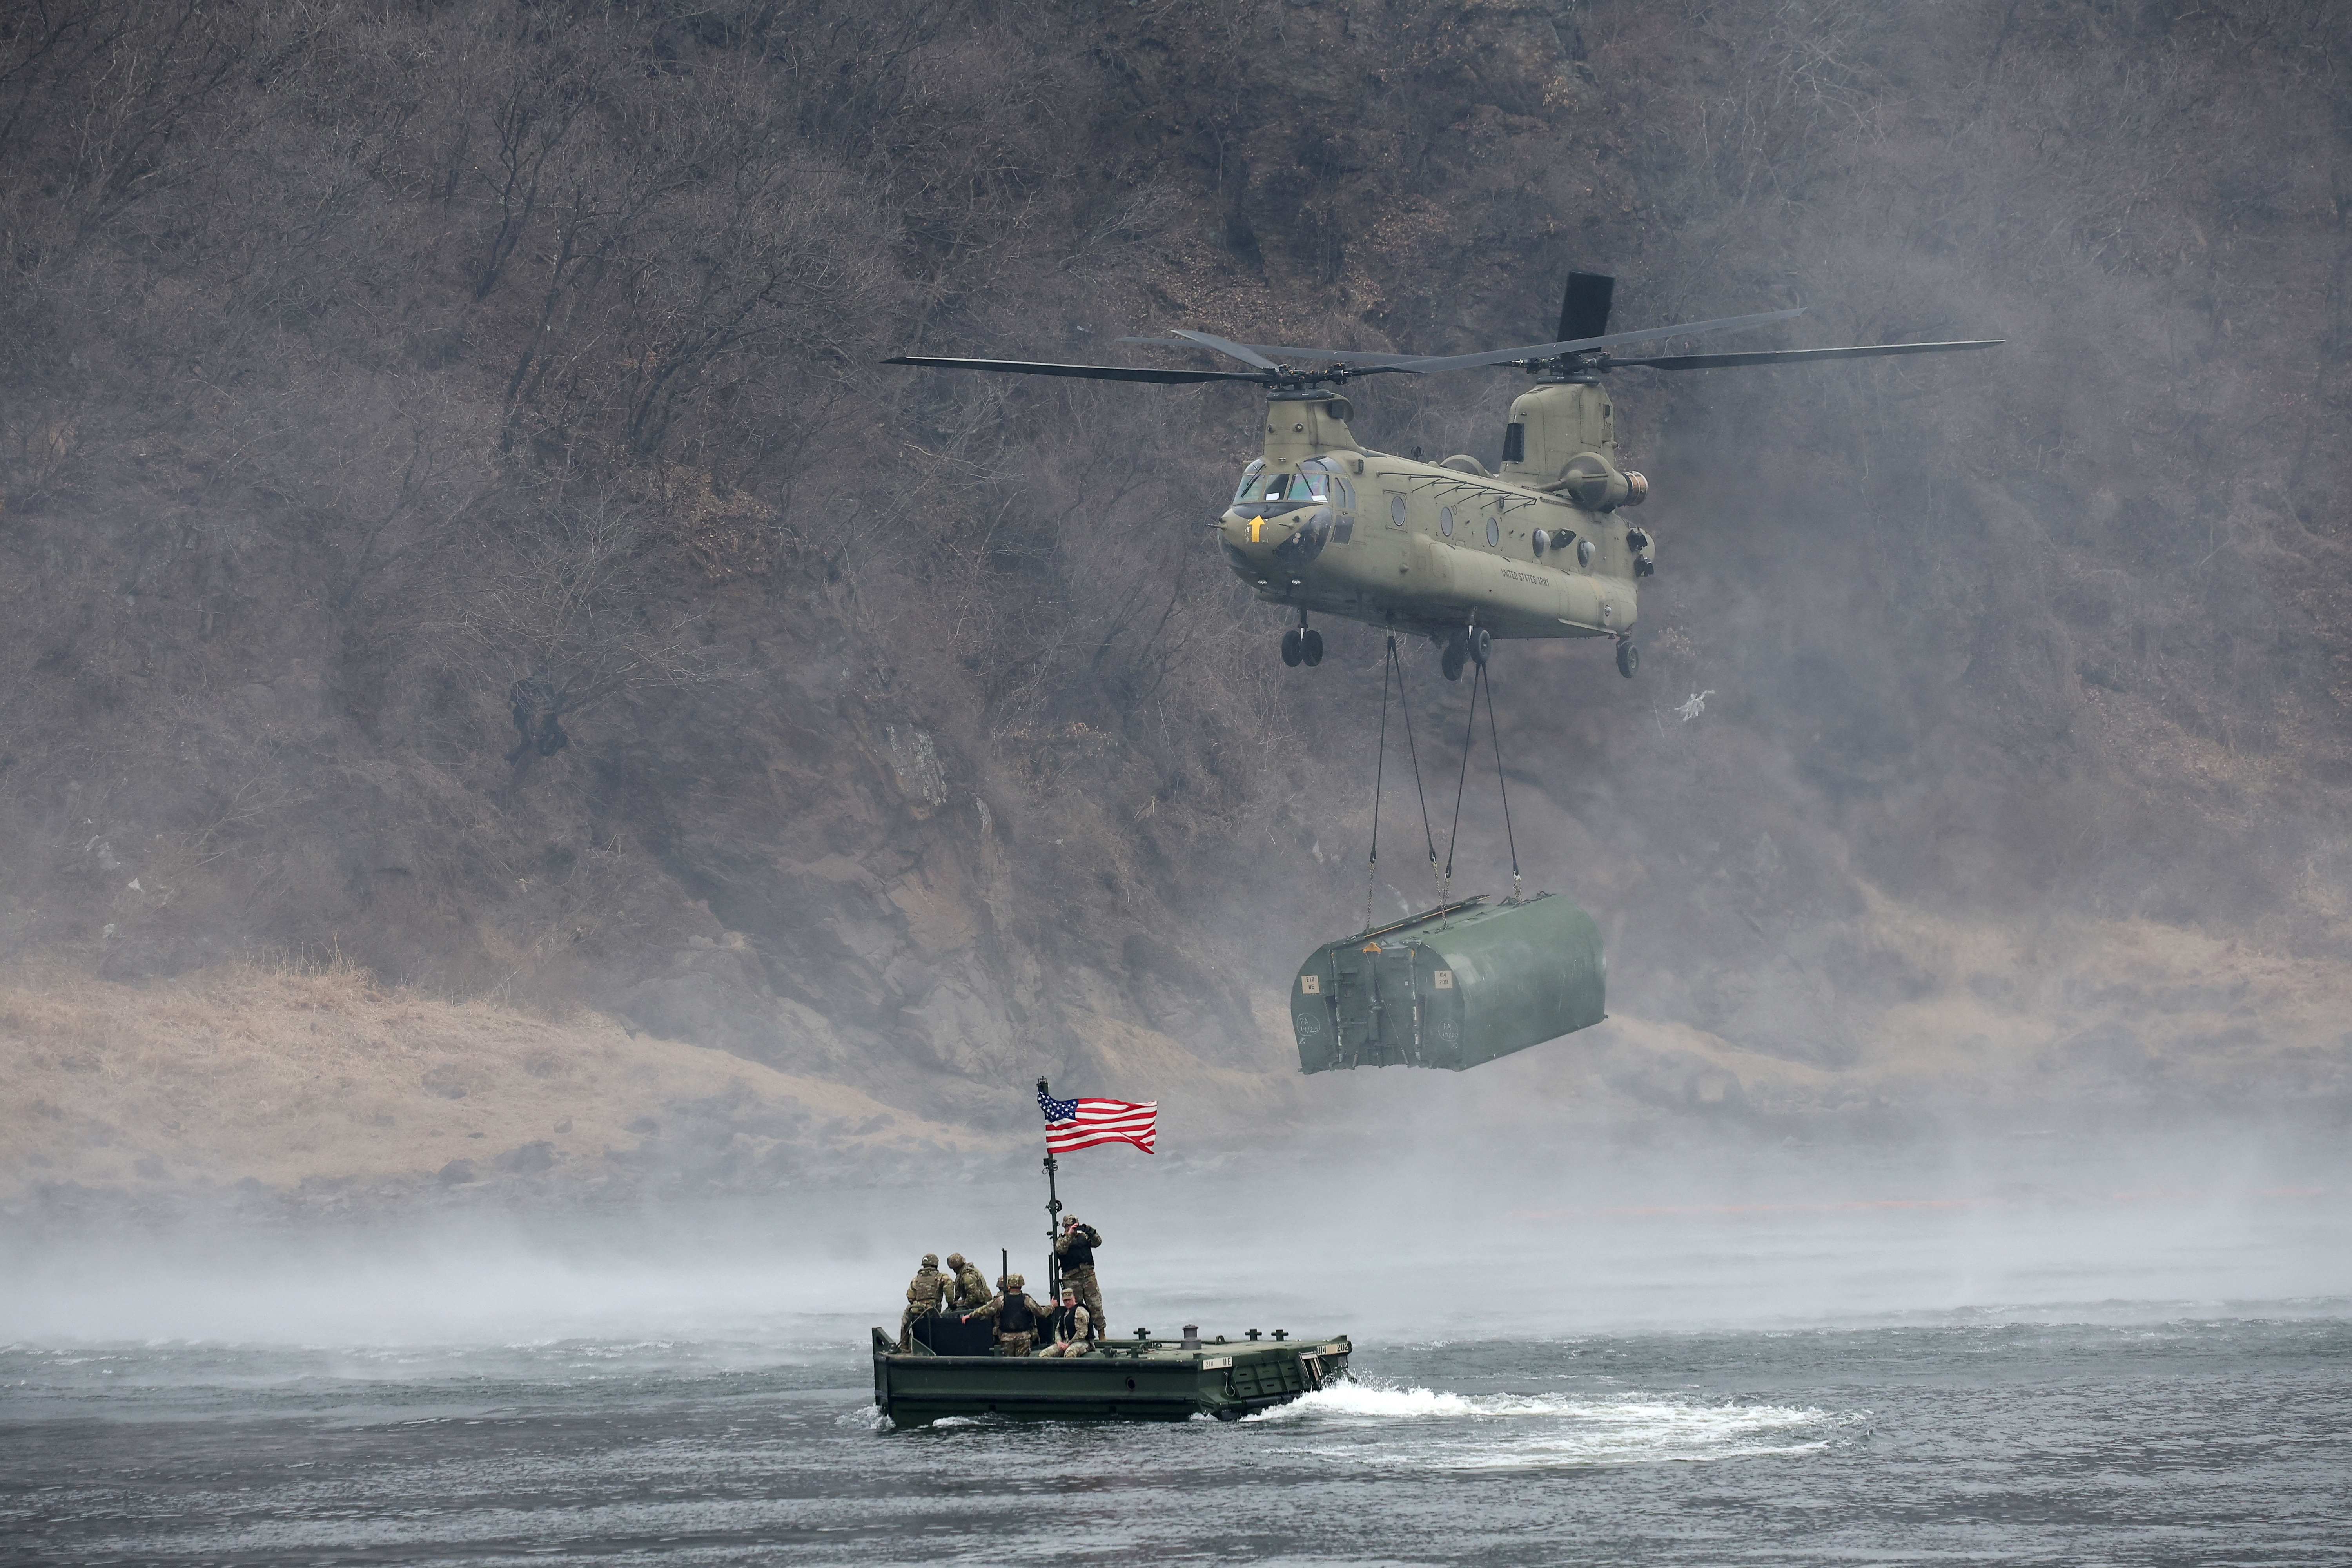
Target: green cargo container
[1458,985]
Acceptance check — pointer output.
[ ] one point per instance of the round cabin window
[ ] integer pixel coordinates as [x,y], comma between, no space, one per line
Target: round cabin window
[1396,510]
[1494,532]
[1445,520]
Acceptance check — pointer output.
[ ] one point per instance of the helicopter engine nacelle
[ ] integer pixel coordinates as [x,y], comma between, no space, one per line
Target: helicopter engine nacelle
[1596,484]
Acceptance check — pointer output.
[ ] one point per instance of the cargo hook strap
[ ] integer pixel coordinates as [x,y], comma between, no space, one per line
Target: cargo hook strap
[1469,741]
[1380,768]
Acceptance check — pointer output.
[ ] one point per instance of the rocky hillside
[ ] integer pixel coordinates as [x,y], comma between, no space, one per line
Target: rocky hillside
[455,519]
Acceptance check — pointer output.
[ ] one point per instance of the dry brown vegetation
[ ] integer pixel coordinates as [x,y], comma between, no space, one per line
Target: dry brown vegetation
[357,362]
[324,1081]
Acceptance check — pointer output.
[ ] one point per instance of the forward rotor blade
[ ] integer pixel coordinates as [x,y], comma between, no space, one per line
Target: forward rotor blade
[1584,305]
[1578,345]
[1784,356]
[1229,348]
[1083,372]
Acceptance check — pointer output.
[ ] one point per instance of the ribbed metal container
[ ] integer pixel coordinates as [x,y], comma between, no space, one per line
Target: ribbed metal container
[1450,988]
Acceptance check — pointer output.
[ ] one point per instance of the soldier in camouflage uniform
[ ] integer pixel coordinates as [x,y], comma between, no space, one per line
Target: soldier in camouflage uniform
[1075,1248]
[1017,1317]
[969,1288]
[923,1294]
[1071,1327]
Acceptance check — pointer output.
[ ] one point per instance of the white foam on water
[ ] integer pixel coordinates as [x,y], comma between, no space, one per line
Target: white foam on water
[1495,1431]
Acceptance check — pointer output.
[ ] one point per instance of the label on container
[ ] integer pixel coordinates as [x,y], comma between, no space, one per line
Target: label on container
[1445,980]
[1211,1364]
[1310,984]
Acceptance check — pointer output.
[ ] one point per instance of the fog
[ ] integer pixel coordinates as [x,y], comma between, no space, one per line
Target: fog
[2038,1226]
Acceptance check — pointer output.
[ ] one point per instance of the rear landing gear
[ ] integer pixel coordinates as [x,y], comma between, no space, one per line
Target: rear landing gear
[1629,658]
[1302,645]
[1471,644]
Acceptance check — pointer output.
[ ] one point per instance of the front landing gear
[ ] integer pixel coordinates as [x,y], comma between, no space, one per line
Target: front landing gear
[1628,658]
[1302,645]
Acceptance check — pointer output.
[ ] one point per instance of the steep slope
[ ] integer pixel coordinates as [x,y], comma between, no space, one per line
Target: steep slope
[379,384]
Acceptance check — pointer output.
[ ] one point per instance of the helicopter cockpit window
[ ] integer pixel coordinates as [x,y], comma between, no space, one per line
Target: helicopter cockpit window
[1277,493]
[1248,491]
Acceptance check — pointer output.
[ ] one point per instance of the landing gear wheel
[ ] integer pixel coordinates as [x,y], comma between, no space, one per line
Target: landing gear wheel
[1482,643]
[1310,647]
[1455,656]
[1292,652]
[1629,660]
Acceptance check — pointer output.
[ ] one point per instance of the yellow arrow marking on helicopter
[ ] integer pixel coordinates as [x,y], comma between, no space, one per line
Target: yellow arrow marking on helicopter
[1257,529]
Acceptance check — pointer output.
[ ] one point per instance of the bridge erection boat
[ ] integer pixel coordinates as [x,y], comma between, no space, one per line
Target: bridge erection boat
[1138,1379]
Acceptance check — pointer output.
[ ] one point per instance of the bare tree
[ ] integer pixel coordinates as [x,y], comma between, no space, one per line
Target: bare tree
[566,614]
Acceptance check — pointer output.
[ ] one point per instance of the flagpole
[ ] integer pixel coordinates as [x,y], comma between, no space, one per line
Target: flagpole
[1053,1218]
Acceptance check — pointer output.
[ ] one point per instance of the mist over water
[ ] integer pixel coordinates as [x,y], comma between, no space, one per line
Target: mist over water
[2129,1342]
[1377,1234]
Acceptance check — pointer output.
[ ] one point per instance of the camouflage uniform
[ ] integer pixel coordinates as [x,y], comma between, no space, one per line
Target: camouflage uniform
[971,1288]
[1075,1248]
[923,1293]
[1014,1304]
[1071,1335]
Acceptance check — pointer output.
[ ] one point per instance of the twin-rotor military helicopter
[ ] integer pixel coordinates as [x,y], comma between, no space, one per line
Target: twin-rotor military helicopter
[1324,525]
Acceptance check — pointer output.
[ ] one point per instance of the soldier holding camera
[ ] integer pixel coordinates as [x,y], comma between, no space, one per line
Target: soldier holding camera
[1076,1249]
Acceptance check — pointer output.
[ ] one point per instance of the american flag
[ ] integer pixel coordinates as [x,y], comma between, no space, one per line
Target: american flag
[1075,1124]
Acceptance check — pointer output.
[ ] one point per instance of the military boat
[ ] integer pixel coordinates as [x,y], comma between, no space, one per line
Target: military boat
[950,1371]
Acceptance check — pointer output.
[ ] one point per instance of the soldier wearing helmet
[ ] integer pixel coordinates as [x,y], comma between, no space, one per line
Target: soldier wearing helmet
[923,1294]
[1017,1318]
[969,1288]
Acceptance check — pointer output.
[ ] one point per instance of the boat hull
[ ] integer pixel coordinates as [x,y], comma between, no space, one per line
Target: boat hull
[1125,1380]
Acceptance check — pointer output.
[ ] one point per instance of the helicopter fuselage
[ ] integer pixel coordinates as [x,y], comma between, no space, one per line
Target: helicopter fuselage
[1321,523]
[1325,526]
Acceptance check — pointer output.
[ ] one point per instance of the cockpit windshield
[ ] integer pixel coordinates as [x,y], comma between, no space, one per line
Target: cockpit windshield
[1263,489]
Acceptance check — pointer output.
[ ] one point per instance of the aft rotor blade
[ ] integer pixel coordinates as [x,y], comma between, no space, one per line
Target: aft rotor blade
[1784,356]
[1584,304]
[1229,348]
[1084,372]
[1578,345]
[1348,356]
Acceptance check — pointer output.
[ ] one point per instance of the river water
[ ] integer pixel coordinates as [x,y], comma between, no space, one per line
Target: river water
[2082,1373]
[2183,1440]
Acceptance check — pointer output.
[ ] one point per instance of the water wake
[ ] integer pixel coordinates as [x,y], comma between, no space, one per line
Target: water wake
[1481,1431]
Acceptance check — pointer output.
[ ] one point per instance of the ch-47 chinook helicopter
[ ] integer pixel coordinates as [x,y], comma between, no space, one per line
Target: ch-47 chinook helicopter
[1324,525]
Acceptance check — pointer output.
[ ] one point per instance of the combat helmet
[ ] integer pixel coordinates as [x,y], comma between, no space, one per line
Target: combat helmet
[931,1260]
[1012,1282]
[955,1260]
